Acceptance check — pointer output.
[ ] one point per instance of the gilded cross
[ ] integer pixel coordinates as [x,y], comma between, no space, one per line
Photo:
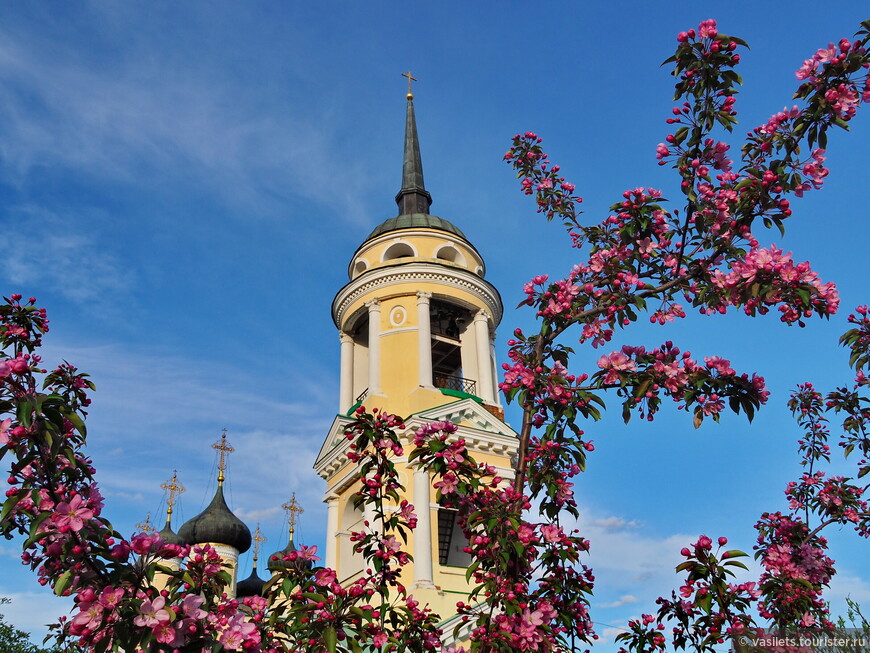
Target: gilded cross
[173,488]
[410,79]
[225,449]
[258,538]
[293,511]
[145,525]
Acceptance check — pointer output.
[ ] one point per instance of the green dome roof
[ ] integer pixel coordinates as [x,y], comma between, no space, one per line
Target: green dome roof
[416,221]
[217,524]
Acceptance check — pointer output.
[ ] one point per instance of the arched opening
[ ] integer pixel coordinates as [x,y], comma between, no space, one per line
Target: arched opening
[359,267]
[449,324]
[350,562]
[398,250]
[451,539]
[450,253]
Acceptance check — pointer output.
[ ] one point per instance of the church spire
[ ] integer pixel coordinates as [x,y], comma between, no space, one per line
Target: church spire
[413,197]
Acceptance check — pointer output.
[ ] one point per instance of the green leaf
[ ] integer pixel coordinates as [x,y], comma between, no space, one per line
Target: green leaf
[63,582]
[10,504]
[330,638]
[35,532]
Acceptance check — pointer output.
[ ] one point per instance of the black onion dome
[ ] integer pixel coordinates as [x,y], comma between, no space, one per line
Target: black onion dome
[277,561]
[251,586]
[169,536]
[217,524]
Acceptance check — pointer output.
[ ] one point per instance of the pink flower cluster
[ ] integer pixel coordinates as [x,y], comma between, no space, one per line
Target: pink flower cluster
[767,277]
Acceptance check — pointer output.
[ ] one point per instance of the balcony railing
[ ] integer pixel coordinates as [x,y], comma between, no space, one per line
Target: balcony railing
[450,382]
[362,396]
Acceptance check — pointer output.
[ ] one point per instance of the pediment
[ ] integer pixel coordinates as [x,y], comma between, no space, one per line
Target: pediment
[482,431]
[468,413]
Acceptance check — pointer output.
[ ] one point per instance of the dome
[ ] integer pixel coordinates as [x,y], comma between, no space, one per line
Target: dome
[251,586]
[416,221]
[277,560]
[218,525]
[169,536]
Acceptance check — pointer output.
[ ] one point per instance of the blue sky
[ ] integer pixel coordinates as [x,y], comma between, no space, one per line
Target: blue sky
[182,186]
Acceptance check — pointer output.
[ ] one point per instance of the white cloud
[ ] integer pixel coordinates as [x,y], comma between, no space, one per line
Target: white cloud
[148,118]
[625,599]
[32,611]
[76,265]
[614,524]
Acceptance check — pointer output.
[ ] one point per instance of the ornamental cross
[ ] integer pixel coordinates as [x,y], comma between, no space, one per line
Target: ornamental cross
[145,525]
[225,449]
[174,488]
[410,79]
[258,538]
[293,511]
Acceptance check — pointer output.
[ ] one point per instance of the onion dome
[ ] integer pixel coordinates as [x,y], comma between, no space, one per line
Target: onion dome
[279,560]
[217,524]
[173,488]
[168,535]
[251,586]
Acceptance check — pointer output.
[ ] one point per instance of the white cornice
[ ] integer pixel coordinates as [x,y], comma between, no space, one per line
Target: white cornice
[385,277]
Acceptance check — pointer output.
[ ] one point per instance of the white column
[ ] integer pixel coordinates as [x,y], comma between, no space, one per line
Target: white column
[484,364]
[494,371]
[345,393]
[424,339]
[374,307]
[423,532]
[330,558]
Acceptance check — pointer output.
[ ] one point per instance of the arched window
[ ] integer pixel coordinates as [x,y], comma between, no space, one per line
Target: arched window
[398,250]
[451,539]
[350,562]
[450,253]
[359,267]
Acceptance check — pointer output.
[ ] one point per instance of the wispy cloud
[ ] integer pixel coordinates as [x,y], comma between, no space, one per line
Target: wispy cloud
[614,524]
[32,611]
[164,411]
[47,250]
[625,599]
[146,119]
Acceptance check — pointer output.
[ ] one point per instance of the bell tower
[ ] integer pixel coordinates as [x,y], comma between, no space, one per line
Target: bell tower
[416,323]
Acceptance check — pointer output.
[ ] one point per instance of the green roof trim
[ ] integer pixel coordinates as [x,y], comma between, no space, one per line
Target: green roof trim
[460,394]
[416,221]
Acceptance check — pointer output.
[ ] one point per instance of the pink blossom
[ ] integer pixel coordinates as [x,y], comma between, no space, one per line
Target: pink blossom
[614,363]
[708,29]
[324,577]
[152,613]
[73,515]
[552,533]
[191,606]
[239,633]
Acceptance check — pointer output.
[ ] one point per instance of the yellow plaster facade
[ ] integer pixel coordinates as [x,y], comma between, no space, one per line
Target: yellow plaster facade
[416,323]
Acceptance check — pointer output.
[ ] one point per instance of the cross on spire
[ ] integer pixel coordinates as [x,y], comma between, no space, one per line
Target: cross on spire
[173,487]
[258,538]
[224,447]
[145,525]
[410,95]
[293,511]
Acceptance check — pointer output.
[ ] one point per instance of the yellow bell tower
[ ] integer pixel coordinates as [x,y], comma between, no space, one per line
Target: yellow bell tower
[416,322]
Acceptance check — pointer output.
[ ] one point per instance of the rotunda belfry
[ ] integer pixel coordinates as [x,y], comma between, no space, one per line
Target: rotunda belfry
[417,318]
[416,321]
